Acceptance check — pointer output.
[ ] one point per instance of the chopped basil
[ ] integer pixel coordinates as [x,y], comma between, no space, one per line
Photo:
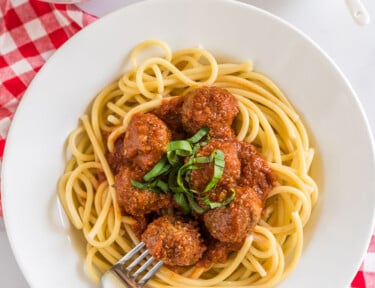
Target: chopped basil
[219,164]
[199,135]
[159,169]
[176,166]
[213,205]
[180,198]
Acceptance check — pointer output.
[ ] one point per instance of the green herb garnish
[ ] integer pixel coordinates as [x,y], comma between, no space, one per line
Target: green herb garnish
[178,171]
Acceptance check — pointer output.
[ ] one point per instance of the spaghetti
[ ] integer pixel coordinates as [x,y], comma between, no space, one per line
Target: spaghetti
[266,119]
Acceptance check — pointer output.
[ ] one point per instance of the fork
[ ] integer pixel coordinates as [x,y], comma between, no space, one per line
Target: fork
[125,272]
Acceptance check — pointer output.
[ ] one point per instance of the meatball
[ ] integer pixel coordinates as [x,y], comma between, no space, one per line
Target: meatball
[218,252]
[135,201]
[256,173]
[139,225]
[146,140]
[212,107]
[170,113]
[232,223]
[116,159]
[174,240]
[232,170]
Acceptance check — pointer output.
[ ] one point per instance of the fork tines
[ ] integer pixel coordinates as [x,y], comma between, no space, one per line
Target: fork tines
[124,272]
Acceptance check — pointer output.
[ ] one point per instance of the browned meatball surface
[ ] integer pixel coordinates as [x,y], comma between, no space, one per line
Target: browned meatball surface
[139,225]
[218,252]
[146,140]
[234,222]
[232,170]
[170,113]
[135,201]
[174,240]
[212,107]
[256,173]
[116,159]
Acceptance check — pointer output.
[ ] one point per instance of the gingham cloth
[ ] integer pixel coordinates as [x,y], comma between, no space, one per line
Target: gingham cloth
[30,31]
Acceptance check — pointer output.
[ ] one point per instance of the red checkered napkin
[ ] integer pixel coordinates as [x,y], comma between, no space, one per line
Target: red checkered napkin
[30,31]
[365,277]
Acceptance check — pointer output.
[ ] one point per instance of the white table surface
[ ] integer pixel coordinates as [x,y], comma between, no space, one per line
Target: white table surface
[328,23]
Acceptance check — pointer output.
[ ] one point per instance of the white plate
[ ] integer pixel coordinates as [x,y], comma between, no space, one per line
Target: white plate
[49,252]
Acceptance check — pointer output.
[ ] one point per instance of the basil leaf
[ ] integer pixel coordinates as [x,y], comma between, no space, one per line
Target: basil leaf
[173,158]
[202,159]
[194,205]
[181,200]
[139,185]
[181,147]
[162,186]
[213,205]
[160,168]
[172,182]
[219,164]
[199,135]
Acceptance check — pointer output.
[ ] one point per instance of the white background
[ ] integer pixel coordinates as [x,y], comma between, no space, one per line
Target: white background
[328,23]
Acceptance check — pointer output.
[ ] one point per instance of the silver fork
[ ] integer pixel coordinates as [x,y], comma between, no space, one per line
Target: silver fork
[125,272]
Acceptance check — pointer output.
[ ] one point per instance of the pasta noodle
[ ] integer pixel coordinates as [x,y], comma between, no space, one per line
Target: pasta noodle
[266,119]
